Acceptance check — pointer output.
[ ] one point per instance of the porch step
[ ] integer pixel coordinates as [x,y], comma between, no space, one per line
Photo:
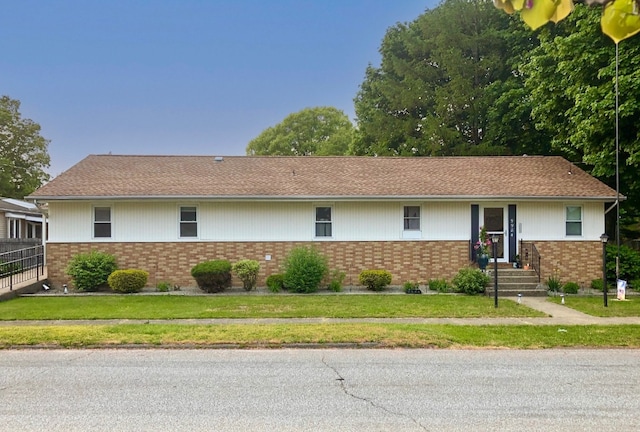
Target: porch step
[512,282]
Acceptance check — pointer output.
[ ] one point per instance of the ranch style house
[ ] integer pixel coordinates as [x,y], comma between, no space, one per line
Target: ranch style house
[417,217]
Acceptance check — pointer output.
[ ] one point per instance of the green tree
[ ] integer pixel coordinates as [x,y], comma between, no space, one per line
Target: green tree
[320,131]
[570,77]
[23,152]
[448,85]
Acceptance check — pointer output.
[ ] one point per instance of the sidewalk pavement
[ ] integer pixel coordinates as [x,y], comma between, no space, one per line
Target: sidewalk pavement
[557,315]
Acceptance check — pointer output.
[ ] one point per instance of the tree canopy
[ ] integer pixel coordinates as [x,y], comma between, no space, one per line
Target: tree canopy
[448,85]
[571,81]
[319,131]
[23,152]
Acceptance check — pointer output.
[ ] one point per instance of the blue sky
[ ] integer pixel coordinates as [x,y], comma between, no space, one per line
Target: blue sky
[184,76]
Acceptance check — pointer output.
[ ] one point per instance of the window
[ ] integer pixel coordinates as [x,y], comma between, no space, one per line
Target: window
[412,218]
[14,228]
[102,222]
[188,222]
[34,230]
[573,221]
[323,221]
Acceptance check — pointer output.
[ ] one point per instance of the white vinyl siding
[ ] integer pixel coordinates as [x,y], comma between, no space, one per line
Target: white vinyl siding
[269,221]
[547,221]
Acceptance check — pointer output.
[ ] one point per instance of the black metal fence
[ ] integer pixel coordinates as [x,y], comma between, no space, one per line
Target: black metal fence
[21,265]
[8,245]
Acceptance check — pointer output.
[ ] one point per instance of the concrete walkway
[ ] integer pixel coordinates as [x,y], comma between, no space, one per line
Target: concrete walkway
[558,315]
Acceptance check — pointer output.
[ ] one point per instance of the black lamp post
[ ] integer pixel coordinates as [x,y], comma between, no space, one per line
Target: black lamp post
[604,238]
[494,243]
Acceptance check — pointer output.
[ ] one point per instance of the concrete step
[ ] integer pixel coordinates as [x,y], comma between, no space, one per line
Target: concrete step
[512,282]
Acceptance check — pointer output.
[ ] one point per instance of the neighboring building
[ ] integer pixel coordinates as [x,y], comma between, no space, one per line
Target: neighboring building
[416,217]
[19,220]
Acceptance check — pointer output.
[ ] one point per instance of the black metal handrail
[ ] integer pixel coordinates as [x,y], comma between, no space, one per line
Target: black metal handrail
[529,255]
[21,265]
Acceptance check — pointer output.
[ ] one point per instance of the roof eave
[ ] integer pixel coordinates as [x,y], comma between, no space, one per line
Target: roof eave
[604,198]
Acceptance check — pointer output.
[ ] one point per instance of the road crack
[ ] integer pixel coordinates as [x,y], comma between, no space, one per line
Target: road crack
[374,404]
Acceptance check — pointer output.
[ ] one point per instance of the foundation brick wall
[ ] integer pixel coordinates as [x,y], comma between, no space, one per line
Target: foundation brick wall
[579,262]
[172,262]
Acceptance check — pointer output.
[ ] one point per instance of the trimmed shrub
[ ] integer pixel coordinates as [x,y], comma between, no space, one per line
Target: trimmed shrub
[212,276]
[304,269]
[597,285]
[247,271]
[90,271]
[375,280]
[128,281]
[635,284]
[163,286]
[471,281]
[571,288]
[439,285]
[275,282]
[336,280]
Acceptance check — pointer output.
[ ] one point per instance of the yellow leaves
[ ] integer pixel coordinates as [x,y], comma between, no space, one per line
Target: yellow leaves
[620,20]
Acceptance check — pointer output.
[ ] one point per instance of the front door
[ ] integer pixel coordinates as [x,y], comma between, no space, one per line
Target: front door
[495,222]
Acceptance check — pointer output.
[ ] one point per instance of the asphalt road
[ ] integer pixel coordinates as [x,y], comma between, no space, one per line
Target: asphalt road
[319,390]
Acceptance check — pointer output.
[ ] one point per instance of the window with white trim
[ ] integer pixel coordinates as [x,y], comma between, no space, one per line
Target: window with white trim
[188,222]
[412,218]
[323,222]
[102,222]
[573,220]
[14,228]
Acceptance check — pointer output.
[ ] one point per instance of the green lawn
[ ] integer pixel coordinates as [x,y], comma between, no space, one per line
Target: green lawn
[595,306]
[362,334]
[276,306]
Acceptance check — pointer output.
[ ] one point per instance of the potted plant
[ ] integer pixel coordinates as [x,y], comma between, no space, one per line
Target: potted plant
[482,249]
[516,262]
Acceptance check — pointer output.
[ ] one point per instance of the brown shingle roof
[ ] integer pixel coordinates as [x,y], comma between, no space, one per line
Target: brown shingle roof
[113,176]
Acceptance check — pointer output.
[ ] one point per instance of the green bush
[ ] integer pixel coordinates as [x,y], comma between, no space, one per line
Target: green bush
[163,286]
[304,269]
[597,285]
[128,281]
[554,284]
[375,280]
[275,282]
[411,287]
[89,271]
[571,288]
[629,263]
[439,285]
[336,280]
[247,271]
[7,269]
[212,276]
[470,281]
[635,284]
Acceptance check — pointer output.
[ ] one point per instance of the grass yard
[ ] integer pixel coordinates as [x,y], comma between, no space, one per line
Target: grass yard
[277,306]
[364,334]
[595,306]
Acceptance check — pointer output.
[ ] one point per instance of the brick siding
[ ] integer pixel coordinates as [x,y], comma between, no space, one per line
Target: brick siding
[580,262]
